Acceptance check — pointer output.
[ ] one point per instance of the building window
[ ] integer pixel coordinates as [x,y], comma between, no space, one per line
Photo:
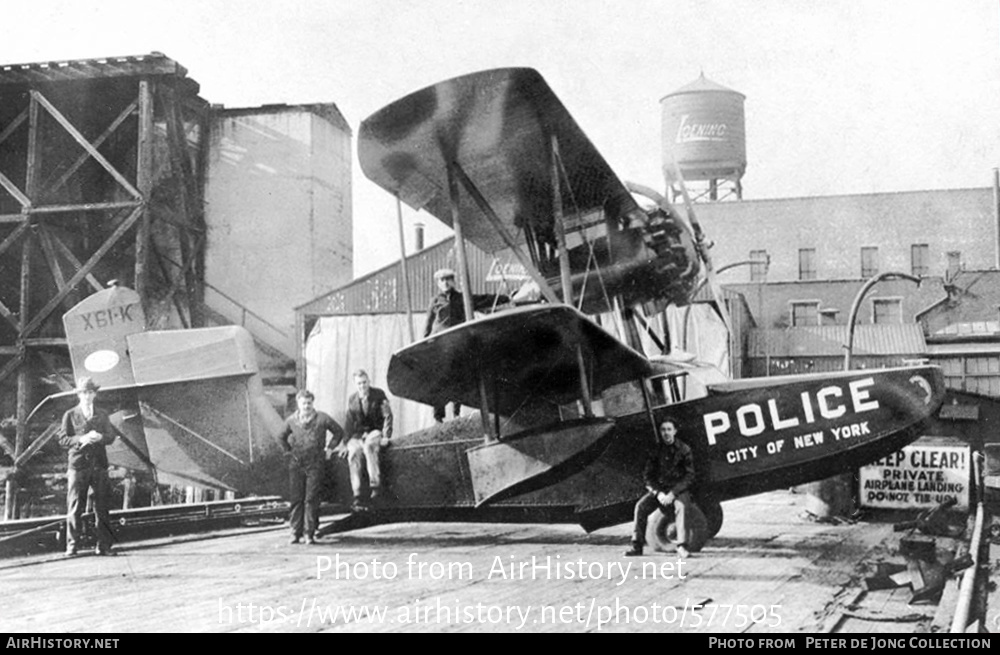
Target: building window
[978,374]
[869,262]
[807,264]
[805,313]
[982,375]
[887,310]
[920,259]
[828,316]
[758,269]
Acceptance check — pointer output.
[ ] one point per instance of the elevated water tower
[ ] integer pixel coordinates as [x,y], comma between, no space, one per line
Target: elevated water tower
[704,133]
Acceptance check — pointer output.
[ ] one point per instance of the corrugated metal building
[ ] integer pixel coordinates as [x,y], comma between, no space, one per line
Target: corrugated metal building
[820,349]
[360,324]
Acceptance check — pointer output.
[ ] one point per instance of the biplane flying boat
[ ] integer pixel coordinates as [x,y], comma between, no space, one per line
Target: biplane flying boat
[567,411]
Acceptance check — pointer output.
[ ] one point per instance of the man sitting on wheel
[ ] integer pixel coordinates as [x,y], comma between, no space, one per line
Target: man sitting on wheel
[669,475]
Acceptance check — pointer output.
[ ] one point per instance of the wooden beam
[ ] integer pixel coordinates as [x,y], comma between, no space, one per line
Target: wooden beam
[25,283]
[68,254]
[21,401]
[34,153]
[45,186]
[44,341]
[11,365]
[13,125]
[7,447]
[96,68]
[80,274]
[62,381]
[37,444]
[12,189]
[183,274]
[73,132]
[181,164]
[8,315]
[87,207]
[14,235]
[144,181]
[177,140]
[167,277]
[50,257]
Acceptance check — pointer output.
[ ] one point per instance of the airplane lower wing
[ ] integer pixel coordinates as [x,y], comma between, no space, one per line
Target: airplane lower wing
[521,355]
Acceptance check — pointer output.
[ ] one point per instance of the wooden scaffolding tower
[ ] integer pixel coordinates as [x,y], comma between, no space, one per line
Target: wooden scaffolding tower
[101,178]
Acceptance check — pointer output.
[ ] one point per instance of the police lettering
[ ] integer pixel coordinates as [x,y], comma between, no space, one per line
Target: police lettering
[103,318]
[753,419]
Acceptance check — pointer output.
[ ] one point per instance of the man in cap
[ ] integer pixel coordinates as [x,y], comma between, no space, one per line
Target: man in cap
[85,432]
[447,310]
[305,441]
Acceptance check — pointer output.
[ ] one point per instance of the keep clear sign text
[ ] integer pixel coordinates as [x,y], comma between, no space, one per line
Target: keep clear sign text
[917,476]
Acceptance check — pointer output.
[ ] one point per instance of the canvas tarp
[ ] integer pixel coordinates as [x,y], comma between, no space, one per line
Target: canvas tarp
[339,345]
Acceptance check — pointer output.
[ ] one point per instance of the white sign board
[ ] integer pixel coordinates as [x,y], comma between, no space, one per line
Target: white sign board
[918,476]
[507,272]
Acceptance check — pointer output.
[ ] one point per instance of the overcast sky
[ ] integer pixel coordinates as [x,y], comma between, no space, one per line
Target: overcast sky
[843,96]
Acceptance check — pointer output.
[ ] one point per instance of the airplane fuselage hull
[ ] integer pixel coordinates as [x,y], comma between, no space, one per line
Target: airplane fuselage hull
[755,437]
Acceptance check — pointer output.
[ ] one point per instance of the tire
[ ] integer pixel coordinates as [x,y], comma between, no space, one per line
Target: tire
[661,534]
[712,509]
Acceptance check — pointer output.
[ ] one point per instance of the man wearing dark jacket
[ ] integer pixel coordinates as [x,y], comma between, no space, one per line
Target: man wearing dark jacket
[447,310]
[669,475]
[85,432]
[368,429]
[305,441]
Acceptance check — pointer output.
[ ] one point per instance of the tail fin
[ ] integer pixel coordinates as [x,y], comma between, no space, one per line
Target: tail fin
[96,331]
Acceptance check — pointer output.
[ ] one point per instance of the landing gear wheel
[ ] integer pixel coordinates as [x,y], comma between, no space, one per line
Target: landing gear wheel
[712,510]
[661,534]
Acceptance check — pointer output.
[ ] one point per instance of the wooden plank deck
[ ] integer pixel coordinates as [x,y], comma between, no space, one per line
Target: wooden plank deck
[768,570]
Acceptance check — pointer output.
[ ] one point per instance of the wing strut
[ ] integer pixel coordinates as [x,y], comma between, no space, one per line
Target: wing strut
[463,271]
[564,274]
[588,409]
[463,264]
[403,271]
[497,224]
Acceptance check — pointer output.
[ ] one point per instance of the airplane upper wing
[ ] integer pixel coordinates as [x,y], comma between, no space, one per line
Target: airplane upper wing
[498,126]
[522,355]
